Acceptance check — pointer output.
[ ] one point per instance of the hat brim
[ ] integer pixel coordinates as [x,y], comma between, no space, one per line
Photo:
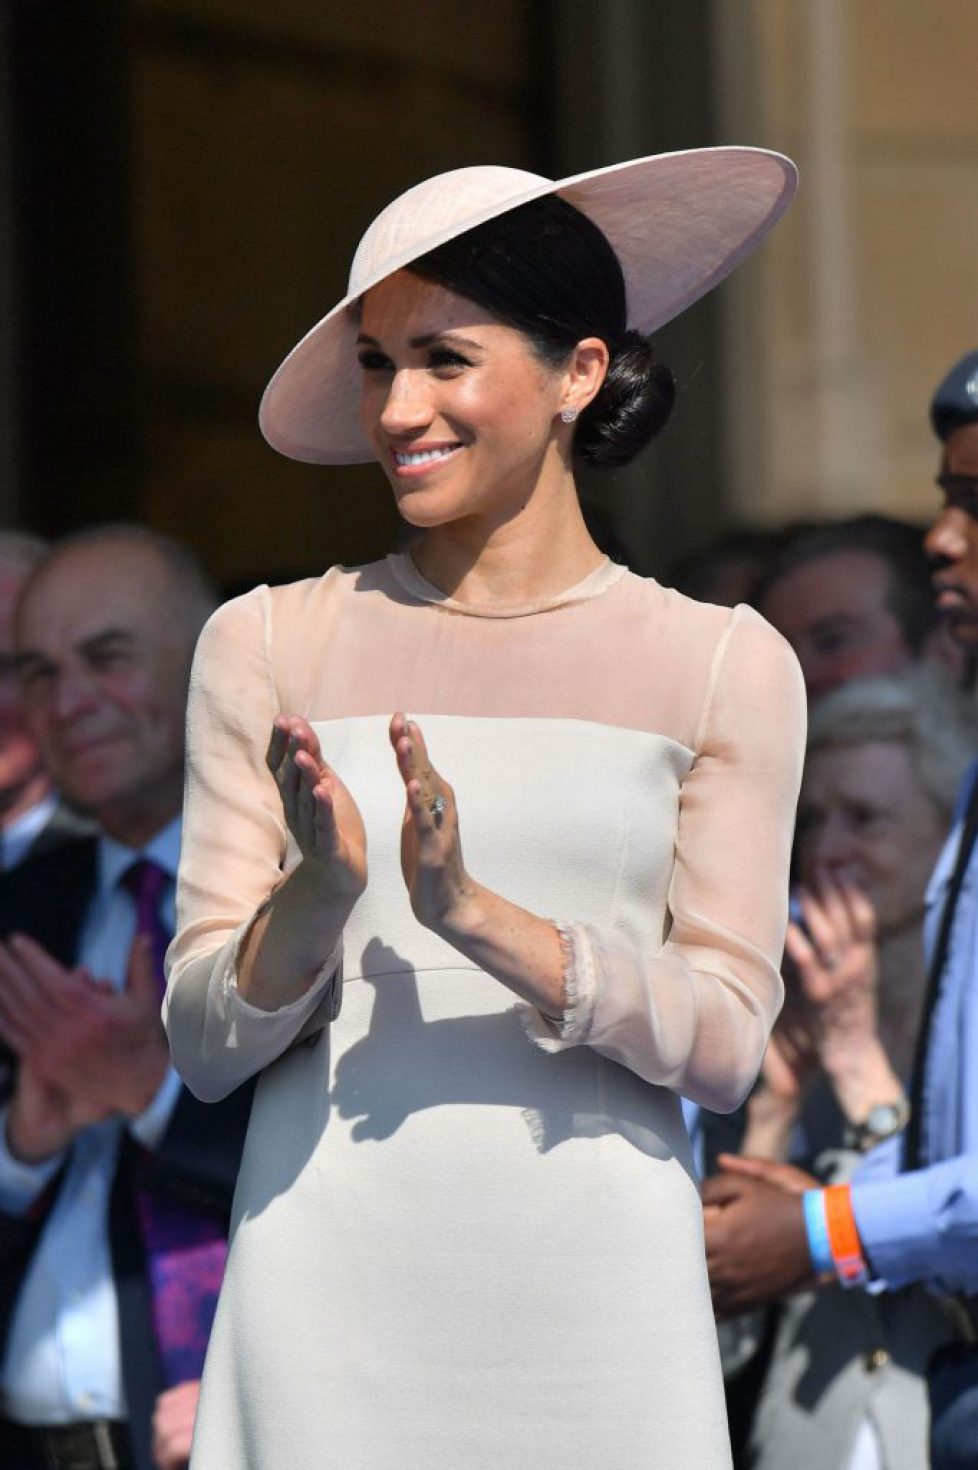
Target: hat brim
[678,222]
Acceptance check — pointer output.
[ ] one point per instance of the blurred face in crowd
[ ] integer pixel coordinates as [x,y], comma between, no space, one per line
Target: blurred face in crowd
[834,613]
[104,658]
[22,778]
[953,538]
[865,815]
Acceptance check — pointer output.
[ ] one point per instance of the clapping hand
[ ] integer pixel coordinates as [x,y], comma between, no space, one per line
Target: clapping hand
[835,956]
[321,814]
[829,1018]
[86,1051]
[838,970]
[431,850]
[791,1058]
[289,940]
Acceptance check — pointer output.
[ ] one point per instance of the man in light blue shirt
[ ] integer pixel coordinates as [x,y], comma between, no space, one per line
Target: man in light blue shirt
[97,1129]
[914,1202]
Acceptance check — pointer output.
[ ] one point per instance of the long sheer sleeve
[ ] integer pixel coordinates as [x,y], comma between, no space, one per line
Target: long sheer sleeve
[233,856]
[696,1015]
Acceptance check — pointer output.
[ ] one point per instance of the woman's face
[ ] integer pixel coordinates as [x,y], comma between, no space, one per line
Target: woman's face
[459,410]
[864,814]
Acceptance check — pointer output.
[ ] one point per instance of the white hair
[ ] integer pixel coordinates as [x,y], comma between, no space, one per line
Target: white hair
[922,709]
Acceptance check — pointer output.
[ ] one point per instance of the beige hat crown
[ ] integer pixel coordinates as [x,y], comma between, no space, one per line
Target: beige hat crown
[678,222]
[431,213]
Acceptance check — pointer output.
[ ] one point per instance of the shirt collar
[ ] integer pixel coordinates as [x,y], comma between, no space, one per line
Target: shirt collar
[114,857]
[24,829]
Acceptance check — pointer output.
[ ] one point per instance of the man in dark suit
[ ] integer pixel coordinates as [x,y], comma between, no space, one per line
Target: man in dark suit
[115,1183]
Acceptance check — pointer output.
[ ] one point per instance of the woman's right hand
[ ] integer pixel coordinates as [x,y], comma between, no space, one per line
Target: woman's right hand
[320,813]
[837,959]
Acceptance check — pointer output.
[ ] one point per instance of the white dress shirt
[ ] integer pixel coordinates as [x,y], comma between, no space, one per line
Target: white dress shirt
[19,834]
[62,1361]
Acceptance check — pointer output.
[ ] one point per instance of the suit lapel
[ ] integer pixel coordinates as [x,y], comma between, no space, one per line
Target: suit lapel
[48,895]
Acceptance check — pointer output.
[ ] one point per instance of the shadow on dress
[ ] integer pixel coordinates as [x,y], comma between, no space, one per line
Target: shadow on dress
[405,1064]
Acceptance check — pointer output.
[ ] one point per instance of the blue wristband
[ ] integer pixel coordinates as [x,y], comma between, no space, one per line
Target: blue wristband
[818,1232]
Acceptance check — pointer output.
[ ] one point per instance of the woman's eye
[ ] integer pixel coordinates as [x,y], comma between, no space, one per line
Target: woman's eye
[444,357]
[373,362]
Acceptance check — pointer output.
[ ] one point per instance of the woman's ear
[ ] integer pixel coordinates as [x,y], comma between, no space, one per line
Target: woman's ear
[585,372]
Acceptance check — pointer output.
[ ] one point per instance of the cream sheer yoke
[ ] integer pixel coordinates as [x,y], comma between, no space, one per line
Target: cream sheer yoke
[657,742]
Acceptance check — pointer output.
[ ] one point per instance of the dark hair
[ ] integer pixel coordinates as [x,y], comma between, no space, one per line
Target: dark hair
[899,544]
[728,569]
[547,270]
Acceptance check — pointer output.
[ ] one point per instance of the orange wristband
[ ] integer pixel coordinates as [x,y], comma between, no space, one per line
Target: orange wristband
[844,1242]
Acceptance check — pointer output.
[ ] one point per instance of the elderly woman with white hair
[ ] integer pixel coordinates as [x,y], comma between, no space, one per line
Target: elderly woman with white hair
[886,756]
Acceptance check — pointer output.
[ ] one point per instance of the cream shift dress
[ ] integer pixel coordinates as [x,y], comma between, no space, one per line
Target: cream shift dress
[466,1238]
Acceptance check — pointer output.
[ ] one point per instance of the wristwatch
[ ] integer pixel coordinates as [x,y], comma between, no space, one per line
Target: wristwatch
[882,1121]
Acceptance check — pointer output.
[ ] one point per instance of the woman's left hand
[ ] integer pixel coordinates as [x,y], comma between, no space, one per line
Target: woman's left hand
[431,850]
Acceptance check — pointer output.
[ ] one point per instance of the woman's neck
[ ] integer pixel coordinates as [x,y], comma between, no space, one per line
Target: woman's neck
[542,549]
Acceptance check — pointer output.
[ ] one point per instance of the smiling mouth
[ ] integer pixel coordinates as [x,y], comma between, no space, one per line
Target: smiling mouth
[422,458]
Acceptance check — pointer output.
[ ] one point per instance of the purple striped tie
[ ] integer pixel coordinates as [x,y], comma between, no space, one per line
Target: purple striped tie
[186,1248]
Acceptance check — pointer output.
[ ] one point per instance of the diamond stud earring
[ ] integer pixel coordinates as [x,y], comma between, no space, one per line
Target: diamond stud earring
[568,415]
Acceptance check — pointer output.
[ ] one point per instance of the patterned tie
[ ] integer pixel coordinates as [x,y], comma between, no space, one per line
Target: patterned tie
[186,1248]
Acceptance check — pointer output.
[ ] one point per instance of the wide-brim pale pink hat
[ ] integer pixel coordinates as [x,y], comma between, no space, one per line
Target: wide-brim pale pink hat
[678,222]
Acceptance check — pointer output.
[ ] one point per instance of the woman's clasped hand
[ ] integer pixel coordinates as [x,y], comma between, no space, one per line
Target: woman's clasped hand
[325,821]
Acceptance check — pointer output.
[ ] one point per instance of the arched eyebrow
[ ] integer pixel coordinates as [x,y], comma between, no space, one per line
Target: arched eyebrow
[428,340]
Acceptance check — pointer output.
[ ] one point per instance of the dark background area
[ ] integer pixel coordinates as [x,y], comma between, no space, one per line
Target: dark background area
[186,184]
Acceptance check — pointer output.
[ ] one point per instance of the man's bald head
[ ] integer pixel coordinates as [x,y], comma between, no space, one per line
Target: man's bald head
[106,629]
[180,578]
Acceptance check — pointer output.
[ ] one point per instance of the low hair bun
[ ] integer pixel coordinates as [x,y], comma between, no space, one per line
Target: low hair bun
[631,406]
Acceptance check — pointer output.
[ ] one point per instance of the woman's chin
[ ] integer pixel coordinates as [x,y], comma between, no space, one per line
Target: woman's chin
[424,518]
[425,509]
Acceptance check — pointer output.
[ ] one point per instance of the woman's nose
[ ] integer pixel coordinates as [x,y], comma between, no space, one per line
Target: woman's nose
[408,406]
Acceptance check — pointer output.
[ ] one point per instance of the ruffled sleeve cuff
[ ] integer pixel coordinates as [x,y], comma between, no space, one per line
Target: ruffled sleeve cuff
[572,1027]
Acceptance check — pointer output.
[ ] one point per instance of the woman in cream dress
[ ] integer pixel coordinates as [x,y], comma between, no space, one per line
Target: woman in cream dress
[467,1232]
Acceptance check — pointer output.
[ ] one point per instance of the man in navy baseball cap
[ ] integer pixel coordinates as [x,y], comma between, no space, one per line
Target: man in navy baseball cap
[955,401]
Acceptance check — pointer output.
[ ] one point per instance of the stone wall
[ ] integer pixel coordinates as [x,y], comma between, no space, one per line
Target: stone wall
[839,331]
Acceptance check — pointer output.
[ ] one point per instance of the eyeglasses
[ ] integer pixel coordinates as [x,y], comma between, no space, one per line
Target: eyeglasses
[960,491]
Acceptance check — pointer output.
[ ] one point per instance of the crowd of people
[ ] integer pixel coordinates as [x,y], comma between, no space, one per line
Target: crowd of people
[865,1110]
[839,1200]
